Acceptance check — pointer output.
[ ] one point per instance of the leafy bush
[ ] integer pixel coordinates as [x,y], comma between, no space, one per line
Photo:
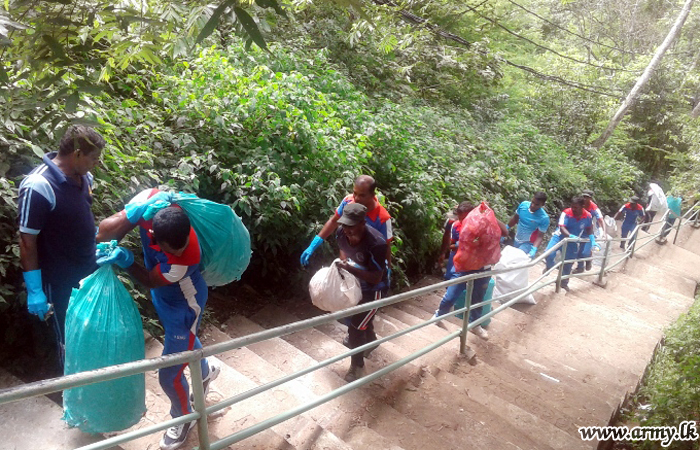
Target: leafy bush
[670,393]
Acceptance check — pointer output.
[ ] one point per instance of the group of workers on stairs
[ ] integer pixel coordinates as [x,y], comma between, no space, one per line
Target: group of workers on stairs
[58,249]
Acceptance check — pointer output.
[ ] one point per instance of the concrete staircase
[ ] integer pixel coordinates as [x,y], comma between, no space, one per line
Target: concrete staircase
[546,370]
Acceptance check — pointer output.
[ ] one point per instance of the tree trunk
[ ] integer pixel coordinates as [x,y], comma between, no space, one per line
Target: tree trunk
[696,111]
[644,78]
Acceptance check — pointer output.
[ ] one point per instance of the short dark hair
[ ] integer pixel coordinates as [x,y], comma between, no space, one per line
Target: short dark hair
[80,137]
[172,226]
[578,200]
[540,196]
[465,207]
[368,180]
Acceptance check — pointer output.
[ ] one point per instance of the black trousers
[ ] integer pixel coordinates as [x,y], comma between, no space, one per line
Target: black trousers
[361,329]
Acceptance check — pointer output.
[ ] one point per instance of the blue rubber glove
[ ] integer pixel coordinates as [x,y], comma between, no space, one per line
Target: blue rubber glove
[153,209]
[37,303]
[533,251]
[135,211]
[316,243]
[120,256]
[593,242]
[573,236]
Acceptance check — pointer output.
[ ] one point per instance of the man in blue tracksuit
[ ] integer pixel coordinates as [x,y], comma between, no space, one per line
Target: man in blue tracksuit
[574,222]
[56,226]
[171,256]
[632,212]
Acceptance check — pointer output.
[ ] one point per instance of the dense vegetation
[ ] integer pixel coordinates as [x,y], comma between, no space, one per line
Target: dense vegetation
[278,115]
[670,394]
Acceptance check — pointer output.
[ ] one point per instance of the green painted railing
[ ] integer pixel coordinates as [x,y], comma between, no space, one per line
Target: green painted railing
[194,357]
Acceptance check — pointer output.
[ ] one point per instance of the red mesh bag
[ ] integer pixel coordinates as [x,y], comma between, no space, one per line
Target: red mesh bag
[479,240]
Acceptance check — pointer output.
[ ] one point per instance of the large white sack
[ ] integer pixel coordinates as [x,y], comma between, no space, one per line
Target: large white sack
[513,280]
[610,226]
[599,255]
[333,289]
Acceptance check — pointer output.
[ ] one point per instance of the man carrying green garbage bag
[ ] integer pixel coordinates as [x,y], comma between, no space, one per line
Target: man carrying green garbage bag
[172,257]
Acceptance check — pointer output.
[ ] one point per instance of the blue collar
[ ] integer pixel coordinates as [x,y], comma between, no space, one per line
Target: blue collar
[55,171]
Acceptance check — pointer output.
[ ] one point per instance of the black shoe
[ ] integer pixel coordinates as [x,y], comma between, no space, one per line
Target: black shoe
[622,246]
[566,287]
[175,436]
[354,373]
[579,269]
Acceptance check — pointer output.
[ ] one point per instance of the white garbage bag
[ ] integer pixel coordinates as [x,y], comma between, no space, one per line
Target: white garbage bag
[515,279]
[333,289]
[599,255]
[610,226]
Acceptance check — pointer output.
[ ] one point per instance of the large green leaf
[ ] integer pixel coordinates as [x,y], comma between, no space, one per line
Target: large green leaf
[213,21]
[250,27]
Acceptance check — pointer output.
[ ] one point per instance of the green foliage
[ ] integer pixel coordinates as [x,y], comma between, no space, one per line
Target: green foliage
[670,393]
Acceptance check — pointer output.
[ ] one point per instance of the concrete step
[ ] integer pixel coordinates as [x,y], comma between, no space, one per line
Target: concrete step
[594,344]
[220,424]
[473,414]
[579,415]
[549,356]
[638,293]
[251,363]
[36,423]
[298,433]
[374,413]
[687,239]
[516,390]
[677,262]
[157,404]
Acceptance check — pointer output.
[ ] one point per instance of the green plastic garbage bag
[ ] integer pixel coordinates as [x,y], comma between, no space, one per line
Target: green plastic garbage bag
[461,301]
[103,328]
[223,238]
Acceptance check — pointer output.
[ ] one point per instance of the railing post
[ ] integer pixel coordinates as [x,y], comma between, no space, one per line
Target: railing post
[465,319]
[601,274]
[634,240]
[696,221]
[199,403]
[678,229]
[561,268]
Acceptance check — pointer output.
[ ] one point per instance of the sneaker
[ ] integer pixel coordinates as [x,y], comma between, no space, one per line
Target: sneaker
[480,332]
[469,353]
[214,371]
[354,373]
[175,436]
[440,323]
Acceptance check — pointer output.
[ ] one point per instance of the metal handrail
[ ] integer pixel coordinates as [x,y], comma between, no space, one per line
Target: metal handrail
[194,356]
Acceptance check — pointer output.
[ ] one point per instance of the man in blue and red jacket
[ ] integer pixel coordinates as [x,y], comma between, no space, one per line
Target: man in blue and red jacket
[377,217]
[171,256]
[574,222]
[632,211]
